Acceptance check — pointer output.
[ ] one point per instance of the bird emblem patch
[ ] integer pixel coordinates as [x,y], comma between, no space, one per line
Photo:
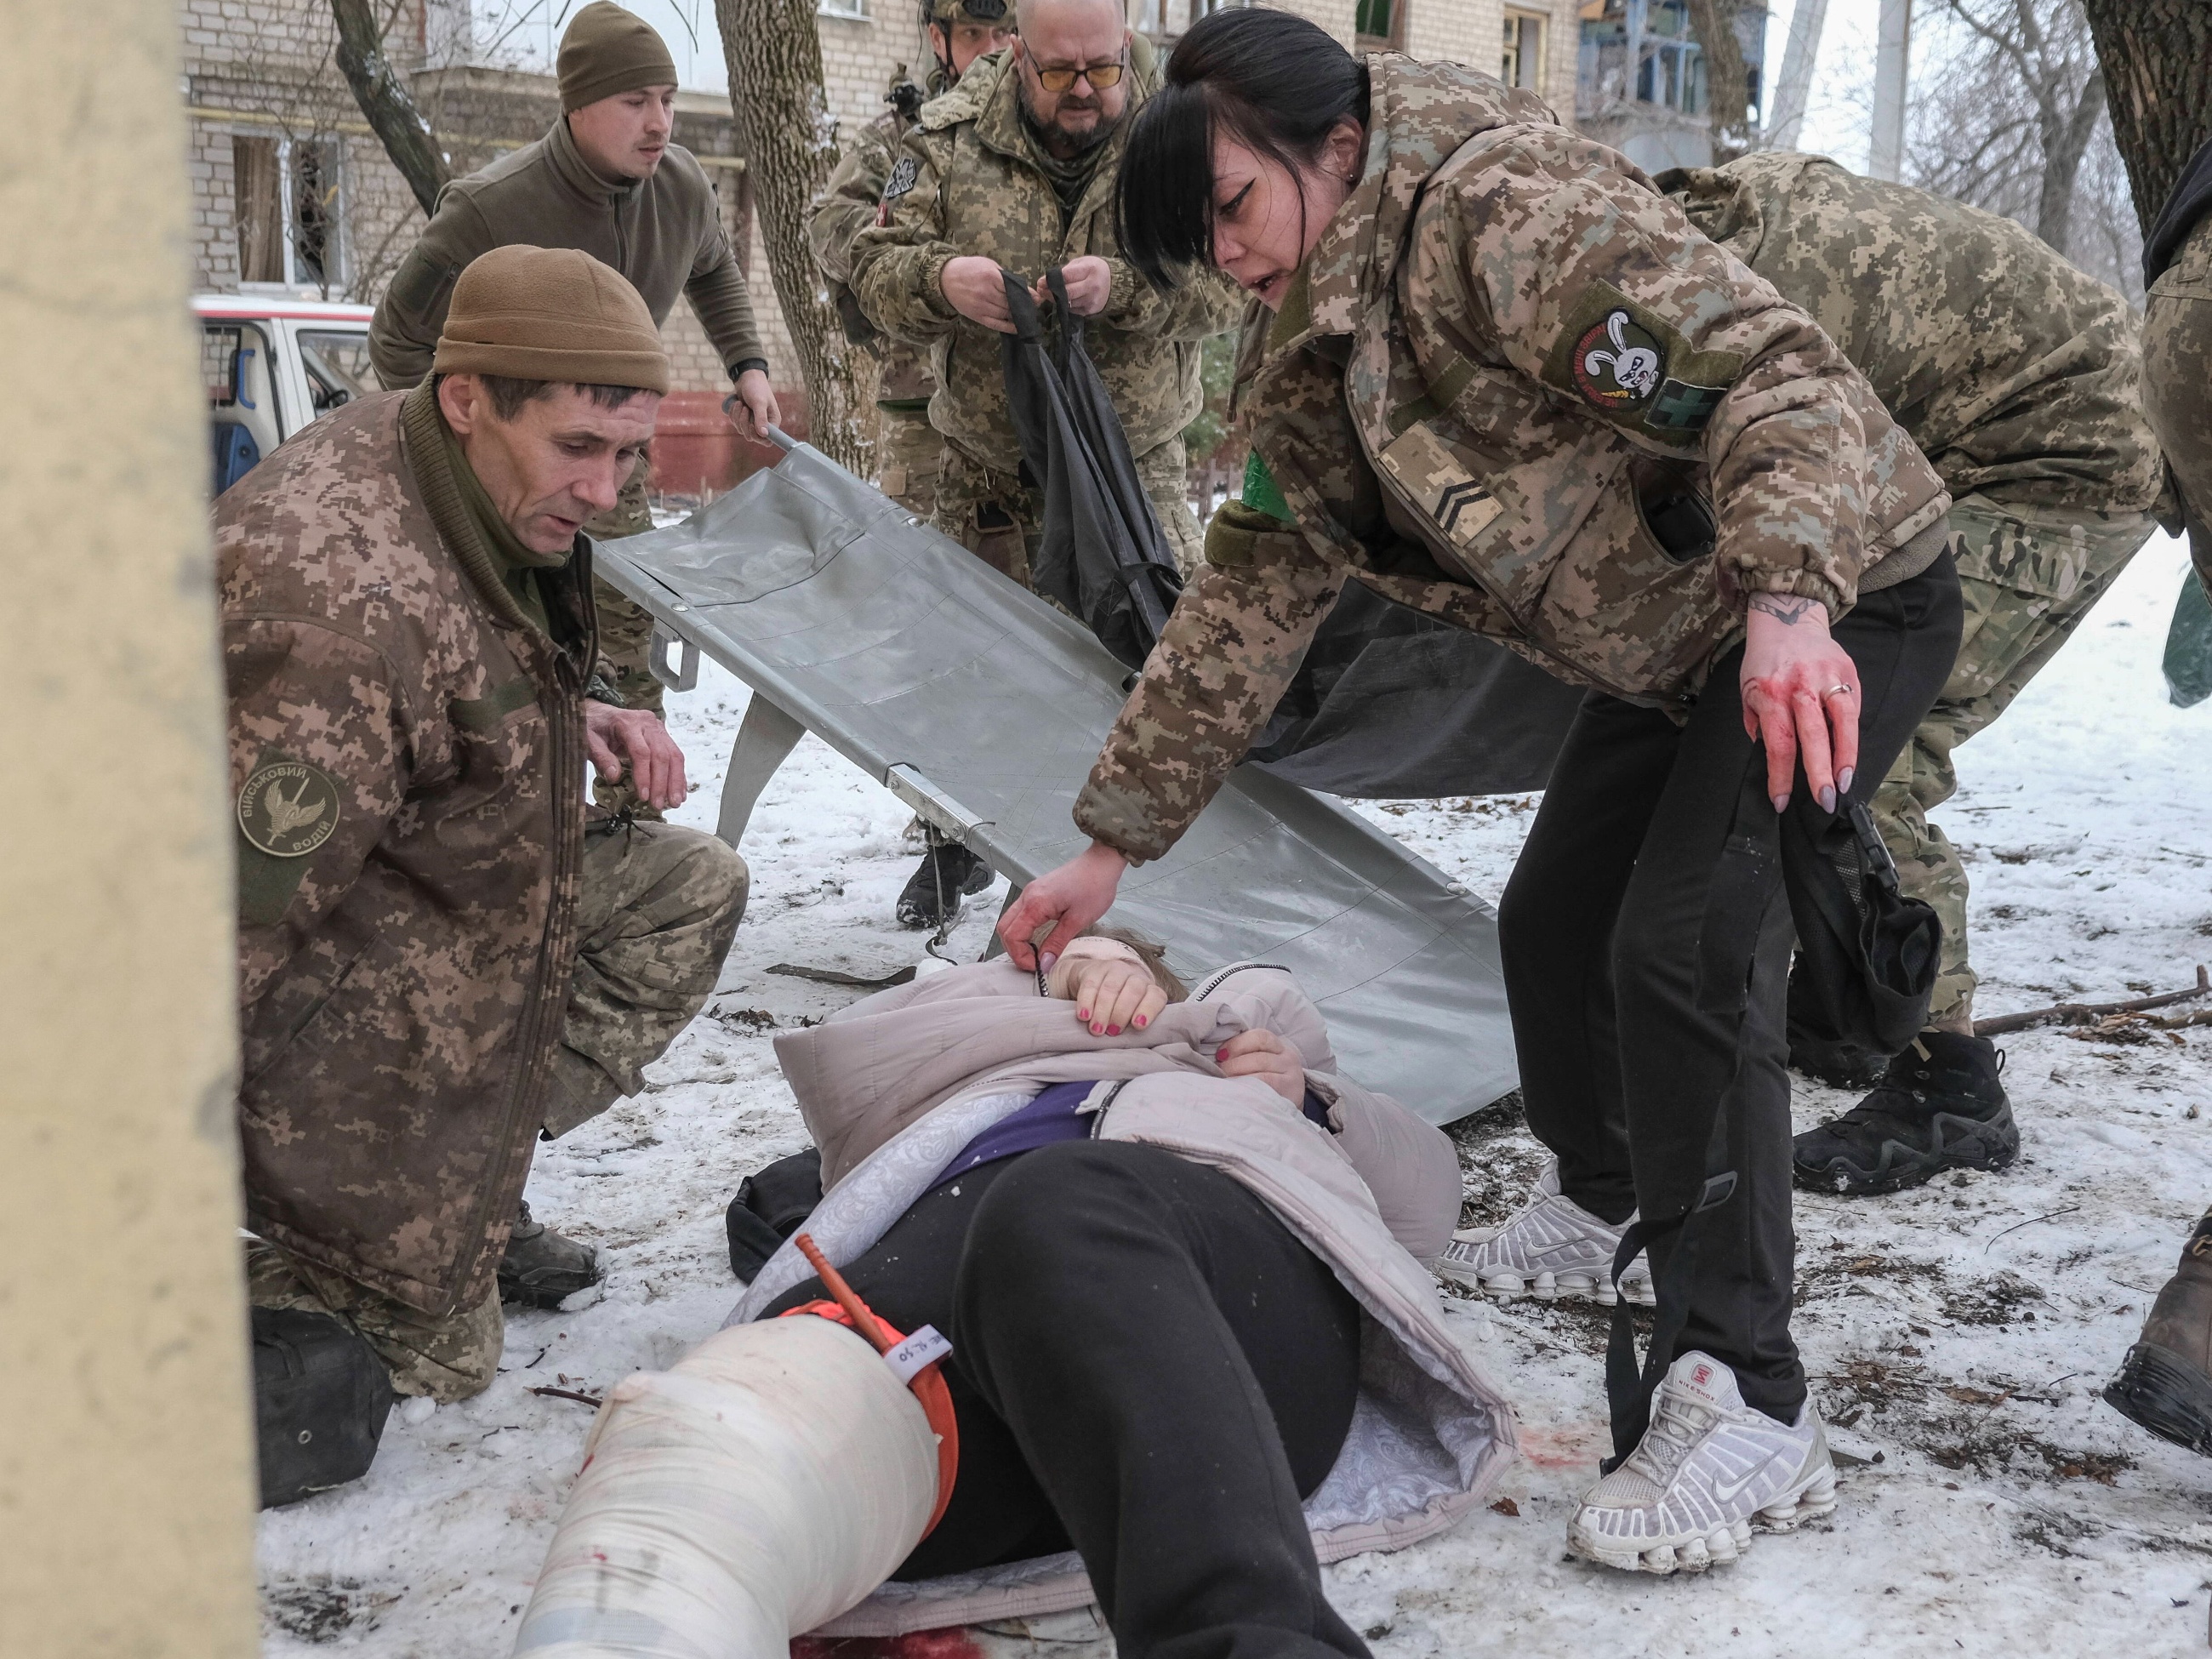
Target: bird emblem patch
[903,174]
[288,808]
[1617,365]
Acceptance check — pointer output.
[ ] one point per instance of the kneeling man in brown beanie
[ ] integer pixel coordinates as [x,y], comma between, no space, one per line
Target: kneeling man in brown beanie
[442,955]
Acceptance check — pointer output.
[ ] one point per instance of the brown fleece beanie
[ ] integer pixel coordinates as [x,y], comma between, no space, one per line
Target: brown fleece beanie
[550,313]
[607,50]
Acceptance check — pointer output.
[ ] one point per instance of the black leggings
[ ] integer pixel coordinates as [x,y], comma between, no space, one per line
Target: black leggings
[1598,931]
[1146,1367]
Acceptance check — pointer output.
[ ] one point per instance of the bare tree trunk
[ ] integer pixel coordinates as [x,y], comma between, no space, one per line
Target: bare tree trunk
[384,99]
[2065,143]
[2157,58]
[785,128]
[1728,84]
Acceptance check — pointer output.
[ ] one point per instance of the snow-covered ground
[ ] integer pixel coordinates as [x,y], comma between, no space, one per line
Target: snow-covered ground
[1957,1335]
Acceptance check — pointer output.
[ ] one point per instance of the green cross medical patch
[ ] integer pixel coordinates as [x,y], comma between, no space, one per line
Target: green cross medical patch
[1628,365]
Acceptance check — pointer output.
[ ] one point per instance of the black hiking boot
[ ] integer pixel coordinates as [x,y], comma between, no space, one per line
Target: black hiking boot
[1938,1107]
[542,1268]
[948,872]
[2165,1383]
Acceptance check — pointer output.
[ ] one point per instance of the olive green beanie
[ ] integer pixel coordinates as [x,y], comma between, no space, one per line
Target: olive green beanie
[550,313]
[608,50]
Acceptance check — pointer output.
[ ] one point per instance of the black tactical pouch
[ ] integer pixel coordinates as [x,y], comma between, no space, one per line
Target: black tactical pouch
[771,1206]
[320,1396]
[1867,955]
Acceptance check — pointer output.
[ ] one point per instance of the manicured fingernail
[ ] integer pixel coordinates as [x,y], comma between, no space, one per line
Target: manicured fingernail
[1082,1013]
[1782,803]
[1143,1020]
[1045,962]
[1112,1030]
[1097,1029]
[1844,779]
[1828,799]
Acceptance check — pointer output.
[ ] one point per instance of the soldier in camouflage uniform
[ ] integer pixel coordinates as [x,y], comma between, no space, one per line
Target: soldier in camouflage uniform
[439,959]
[1498,376]
[2165,1383]
[1009,173]
[907,448]
[1005,172]
[2020,377]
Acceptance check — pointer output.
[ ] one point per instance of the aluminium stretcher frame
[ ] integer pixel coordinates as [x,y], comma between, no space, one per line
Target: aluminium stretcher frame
[983,707]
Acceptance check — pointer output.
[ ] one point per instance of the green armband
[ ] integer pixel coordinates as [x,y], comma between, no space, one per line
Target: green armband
[1262,495]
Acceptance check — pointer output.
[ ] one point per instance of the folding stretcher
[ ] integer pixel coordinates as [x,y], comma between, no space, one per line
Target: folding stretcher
[983,707]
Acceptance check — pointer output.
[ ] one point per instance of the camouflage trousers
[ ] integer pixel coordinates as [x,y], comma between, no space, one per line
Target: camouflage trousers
[625,634]
[659,908]
[2177,344]
[909,455]
[2028,575]
[999,519]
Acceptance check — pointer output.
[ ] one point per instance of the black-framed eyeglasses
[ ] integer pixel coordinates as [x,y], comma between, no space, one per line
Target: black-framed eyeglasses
[1101,76]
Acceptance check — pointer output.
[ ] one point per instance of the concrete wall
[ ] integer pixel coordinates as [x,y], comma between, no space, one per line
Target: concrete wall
[126,1465]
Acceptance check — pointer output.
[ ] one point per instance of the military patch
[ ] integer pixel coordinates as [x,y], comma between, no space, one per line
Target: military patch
[288,808]
[903,178]
[1631,365]
[1617,365]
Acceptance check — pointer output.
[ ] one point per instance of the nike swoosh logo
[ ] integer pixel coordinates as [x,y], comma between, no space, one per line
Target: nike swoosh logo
[1725,1492]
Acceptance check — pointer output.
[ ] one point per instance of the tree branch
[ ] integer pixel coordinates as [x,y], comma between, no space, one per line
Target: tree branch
[385,102]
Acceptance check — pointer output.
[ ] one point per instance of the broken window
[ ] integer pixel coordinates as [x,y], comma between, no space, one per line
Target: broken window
[288,206]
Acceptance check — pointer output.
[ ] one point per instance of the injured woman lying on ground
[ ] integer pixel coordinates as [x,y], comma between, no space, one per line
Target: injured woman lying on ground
[1194,1350]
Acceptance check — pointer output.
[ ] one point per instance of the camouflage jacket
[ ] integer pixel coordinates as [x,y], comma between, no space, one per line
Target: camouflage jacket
[849,204]
[1512,387]
[976,190]
[2018,375]
[407,755]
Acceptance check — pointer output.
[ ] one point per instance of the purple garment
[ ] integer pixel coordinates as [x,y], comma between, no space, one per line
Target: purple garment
[1054,1115]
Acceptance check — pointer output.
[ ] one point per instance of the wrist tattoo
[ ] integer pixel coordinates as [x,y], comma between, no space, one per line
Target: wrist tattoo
[1788,609]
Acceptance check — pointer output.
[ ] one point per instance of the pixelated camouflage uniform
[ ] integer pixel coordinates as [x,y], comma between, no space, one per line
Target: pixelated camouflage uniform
[908,452]
[2177,382]
[979,190]
[438,963]
[1440,401]
[2020,377]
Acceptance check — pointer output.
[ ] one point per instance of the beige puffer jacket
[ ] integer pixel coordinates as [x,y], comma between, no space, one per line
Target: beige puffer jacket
[893,1087]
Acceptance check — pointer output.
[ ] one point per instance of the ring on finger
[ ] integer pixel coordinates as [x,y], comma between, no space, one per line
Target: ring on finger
[1837,691]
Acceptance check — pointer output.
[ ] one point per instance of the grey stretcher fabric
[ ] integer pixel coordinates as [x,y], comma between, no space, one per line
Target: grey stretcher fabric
[900,648]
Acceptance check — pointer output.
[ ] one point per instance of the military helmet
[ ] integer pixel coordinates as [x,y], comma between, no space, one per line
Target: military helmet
[964,11]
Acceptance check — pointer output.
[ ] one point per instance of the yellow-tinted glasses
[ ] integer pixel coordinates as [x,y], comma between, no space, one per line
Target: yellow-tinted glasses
[1101,76]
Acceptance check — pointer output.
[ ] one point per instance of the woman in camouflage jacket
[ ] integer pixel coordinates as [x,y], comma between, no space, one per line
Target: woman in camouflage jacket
[1495,374]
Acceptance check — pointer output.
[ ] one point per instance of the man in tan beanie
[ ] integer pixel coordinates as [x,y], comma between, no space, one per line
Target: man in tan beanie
[441,955]
[607,180]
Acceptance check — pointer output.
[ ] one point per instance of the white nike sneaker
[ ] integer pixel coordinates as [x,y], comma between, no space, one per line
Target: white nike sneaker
[1707,1471]
[1554,1248]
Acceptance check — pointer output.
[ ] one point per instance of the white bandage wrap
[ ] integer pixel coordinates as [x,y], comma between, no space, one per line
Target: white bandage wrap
[766,1484]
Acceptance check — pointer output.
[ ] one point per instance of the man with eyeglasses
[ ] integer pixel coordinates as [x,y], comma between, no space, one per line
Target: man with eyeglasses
[1013,171]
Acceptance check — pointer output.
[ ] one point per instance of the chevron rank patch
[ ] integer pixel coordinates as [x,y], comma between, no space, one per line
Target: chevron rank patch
[288,808]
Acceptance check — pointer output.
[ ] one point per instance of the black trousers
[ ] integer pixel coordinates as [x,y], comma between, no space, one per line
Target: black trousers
[1146,1366]
[1621,1069]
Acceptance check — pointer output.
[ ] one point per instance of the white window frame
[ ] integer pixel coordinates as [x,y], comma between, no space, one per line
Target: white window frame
[845,11]
[1527,13]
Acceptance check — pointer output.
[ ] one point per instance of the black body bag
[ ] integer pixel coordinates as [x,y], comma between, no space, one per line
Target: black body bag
[1104,559]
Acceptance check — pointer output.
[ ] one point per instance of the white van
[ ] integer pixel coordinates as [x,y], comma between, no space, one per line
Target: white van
[271,365]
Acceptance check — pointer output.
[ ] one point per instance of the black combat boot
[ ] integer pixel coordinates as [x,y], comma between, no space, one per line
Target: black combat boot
[2166,1381]
[542,1268]
[1938,1107]
[320,1396]
[948,872]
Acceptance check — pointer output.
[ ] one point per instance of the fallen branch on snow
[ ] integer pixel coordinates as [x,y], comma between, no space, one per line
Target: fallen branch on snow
[2087,1014]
